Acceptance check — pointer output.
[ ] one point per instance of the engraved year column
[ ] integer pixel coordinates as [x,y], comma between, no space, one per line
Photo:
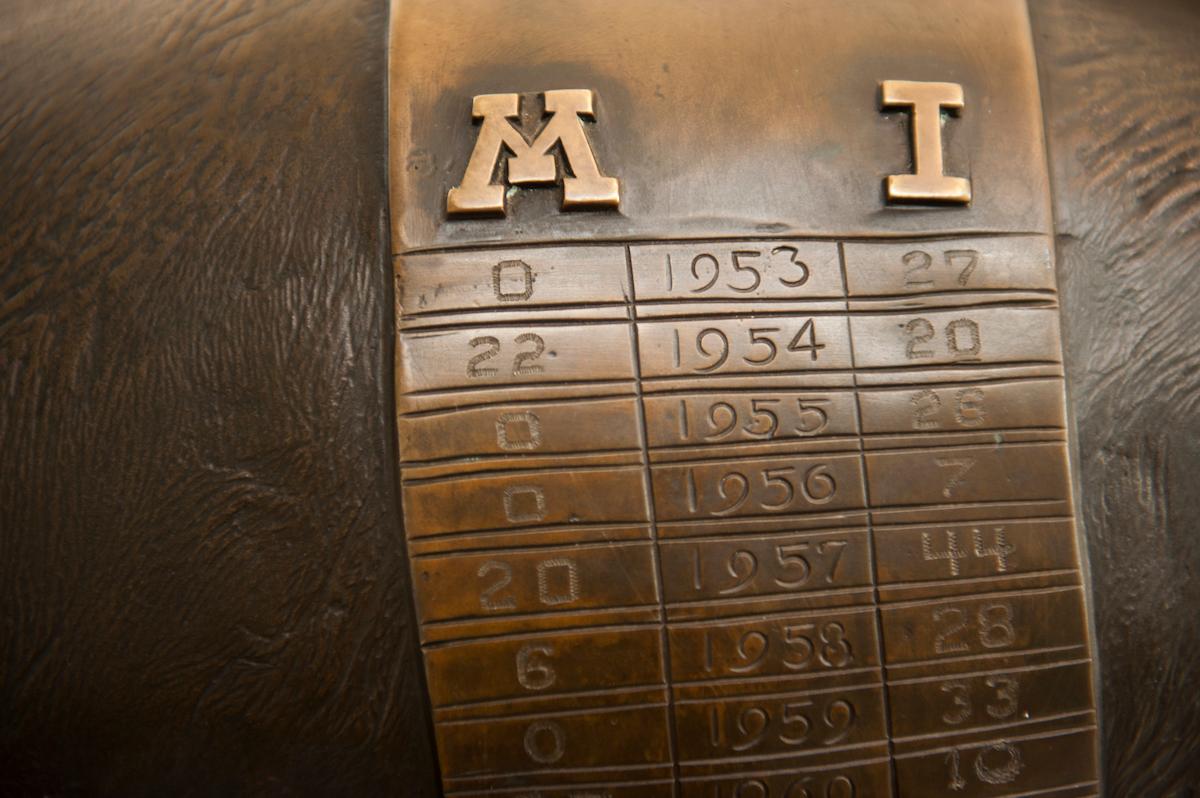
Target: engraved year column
[758,497]
[957,348]
[526,515]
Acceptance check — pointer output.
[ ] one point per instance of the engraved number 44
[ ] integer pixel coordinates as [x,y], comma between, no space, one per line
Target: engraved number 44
[1000,549]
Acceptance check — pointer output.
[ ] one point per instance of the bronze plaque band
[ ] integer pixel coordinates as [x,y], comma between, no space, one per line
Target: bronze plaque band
[734,444]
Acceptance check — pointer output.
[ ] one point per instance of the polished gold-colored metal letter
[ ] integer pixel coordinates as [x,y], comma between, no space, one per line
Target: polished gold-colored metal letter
[532,162]
[925,101]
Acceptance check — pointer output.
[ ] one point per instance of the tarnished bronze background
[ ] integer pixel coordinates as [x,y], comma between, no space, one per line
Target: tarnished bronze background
[205,589]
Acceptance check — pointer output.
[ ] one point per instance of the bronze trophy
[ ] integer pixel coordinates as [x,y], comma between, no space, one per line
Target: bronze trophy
[752,399]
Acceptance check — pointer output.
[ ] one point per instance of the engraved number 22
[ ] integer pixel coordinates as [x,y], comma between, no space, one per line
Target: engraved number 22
[520,364]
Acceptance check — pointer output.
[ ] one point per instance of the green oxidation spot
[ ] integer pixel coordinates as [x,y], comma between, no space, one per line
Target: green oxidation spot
[998,438]
[826,152]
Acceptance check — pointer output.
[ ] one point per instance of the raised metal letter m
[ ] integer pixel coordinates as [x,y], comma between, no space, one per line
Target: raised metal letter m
[532,162]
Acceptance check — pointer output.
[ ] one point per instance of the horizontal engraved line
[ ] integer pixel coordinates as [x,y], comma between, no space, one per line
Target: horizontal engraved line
[450,411]
[850,515]
[971,674]
[625,689]
[1044,292]
[522,472]
[542,549]
[833,749]
[525,616]
[656,466]
[846,688]
[541,634]
[933,370]
[1025,738]
[562,713]
[849,609]
[667,318]
[982,730]
[958,365]
[557,771]
[671,524]
[1023,592]
[910,449]
[450,537]
[958,432]
[978,580]
[784,677]
[650,311]
[615,304]
[1023,652]
[620,320]
[660,301]
[890,388]
[777,442]
[604,241]
[574,631]
[490,461]
[788,772]
[851,437]
[961,365]
[900,381]
[436,324]
[452,317]
[913,508]
[1001,380]
[1036,297]
[700,393]
[851,313]
[733,537]
[991,521]
[525,385]
[729,600]
[664,378]
[1016,303]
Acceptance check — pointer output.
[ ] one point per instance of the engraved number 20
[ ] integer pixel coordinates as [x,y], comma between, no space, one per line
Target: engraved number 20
[962,338]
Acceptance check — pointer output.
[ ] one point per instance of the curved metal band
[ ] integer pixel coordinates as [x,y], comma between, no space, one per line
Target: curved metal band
[734,443]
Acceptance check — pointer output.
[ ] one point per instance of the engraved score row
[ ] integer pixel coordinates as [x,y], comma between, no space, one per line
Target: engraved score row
[743,519]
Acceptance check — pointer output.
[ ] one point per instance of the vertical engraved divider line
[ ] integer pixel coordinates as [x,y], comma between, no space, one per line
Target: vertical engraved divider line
[648,486]
[862,464]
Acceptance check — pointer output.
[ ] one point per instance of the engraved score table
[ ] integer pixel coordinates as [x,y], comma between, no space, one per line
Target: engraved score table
[703,507]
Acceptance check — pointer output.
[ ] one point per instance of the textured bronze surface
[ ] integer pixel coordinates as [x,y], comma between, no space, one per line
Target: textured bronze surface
[203,592]
[205,588]
[747,488]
